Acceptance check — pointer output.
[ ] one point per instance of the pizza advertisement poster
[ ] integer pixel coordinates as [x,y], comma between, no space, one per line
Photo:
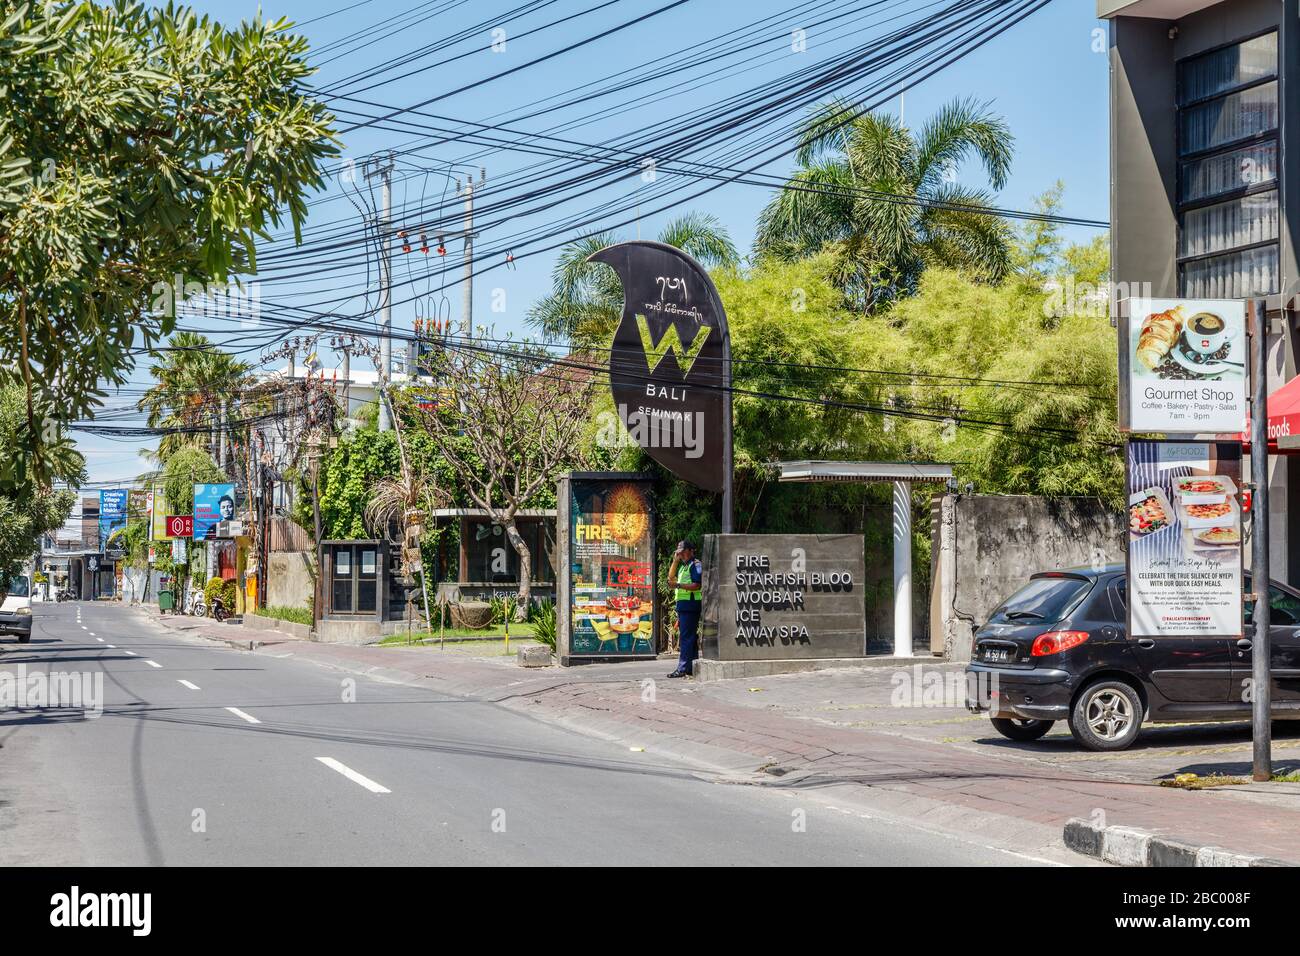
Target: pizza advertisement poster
[612,568]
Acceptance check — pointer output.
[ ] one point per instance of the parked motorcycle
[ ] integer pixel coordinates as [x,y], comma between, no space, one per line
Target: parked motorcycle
[196,606]
[219,612]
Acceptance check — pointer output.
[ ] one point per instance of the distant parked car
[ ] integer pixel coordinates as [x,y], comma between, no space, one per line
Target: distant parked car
[1060,651]
[16,609]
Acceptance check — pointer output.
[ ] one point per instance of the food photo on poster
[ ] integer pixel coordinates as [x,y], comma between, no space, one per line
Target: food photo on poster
[1186,361]
[1185,538]
[611,569]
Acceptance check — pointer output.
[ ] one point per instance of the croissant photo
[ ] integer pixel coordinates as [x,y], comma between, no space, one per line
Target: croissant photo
[1159,333]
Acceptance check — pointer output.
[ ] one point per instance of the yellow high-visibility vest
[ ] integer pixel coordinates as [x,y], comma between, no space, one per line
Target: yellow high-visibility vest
[684,577]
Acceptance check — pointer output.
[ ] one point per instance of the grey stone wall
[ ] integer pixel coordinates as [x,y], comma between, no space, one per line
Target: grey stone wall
[986,546]
[289,580]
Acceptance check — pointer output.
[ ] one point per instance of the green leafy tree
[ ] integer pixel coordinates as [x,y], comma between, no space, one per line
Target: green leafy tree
[1037,247]
[141,148]
[195,382]
[30,509]
[365,467]
[982,375]
[586,302]
[1037,413]
[842,199]
[184,469]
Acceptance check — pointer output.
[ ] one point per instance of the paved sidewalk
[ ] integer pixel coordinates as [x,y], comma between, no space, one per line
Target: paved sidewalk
[841,737]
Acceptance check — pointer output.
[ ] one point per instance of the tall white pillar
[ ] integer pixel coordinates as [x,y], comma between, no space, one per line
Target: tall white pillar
[902,569]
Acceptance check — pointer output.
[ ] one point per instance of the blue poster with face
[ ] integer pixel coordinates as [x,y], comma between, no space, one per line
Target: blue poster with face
[112,517]
[212,503]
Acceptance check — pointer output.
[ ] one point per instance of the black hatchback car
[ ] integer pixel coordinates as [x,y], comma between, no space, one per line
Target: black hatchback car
[1058,650]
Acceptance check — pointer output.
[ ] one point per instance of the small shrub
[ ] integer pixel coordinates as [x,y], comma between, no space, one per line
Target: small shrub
[544,623]
[220,588]
[504,608]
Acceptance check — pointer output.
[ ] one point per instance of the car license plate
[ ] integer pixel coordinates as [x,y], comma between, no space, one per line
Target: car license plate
[998,655]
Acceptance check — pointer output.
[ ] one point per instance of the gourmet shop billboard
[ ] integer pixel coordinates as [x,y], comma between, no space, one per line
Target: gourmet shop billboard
[1183,366]
[1185,534]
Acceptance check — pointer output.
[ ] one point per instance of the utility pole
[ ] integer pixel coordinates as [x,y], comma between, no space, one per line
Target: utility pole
[1260,576]
[347,382]
[467,307]
[383,168]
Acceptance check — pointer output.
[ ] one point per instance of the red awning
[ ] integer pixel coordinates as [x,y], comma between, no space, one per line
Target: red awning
[1283,417]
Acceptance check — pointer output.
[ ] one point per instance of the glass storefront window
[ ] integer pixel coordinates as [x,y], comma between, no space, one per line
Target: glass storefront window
[491,559]
[354,582]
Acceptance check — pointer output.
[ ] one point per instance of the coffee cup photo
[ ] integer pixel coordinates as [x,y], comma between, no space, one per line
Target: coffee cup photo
[1205,333]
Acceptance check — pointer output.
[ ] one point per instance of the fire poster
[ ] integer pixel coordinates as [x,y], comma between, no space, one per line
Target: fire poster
[1185,539]
[611,550]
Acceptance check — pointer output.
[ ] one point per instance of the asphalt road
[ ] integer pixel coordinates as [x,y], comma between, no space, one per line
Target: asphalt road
[207,756]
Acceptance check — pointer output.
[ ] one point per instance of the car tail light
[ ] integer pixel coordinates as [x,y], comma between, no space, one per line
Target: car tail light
[1053,642]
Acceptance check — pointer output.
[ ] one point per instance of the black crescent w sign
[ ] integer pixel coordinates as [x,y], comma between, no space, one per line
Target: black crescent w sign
[669,366]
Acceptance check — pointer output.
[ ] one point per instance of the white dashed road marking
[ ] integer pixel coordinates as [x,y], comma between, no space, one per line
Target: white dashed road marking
[153,663]
[353,775]
[239,713]
[185,683]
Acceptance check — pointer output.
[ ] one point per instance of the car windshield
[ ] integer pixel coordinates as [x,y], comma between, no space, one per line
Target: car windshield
[1042,600]
[18,586]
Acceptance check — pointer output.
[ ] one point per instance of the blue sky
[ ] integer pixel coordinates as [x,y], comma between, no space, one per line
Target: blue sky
[1047,76]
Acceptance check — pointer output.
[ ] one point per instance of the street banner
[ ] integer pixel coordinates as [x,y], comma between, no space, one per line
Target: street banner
[212,503]
[178,550]
[610,591]
[1185,538]
[178,526]
[112,520]
[666,367]
[1183,366]
[137,504]
[158,516]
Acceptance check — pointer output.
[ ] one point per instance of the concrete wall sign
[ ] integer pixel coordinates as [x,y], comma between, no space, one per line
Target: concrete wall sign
[777,597]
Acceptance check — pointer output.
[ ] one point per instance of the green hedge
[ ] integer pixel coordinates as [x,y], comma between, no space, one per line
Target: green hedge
[223,588]
[294,615]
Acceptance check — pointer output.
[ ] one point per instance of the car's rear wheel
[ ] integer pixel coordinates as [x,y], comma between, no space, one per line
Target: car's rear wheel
[1107,716]
[24,638]
[1016,728]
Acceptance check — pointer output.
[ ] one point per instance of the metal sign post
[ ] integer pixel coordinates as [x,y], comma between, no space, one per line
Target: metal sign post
[1261,654]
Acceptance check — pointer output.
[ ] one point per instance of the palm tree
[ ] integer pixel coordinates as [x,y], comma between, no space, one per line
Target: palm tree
[195,382]
[885,204]
[586,302]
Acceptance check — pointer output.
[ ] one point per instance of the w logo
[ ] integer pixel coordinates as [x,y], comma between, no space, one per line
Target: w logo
[670,341]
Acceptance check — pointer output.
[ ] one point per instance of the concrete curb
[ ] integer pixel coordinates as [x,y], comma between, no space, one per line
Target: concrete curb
[1129,846]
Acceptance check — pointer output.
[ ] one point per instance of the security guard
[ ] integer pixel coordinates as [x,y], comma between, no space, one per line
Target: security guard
[687,572]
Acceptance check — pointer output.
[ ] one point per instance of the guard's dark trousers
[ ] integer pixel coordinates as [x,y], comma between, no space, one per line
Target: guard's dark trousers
[689,624]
